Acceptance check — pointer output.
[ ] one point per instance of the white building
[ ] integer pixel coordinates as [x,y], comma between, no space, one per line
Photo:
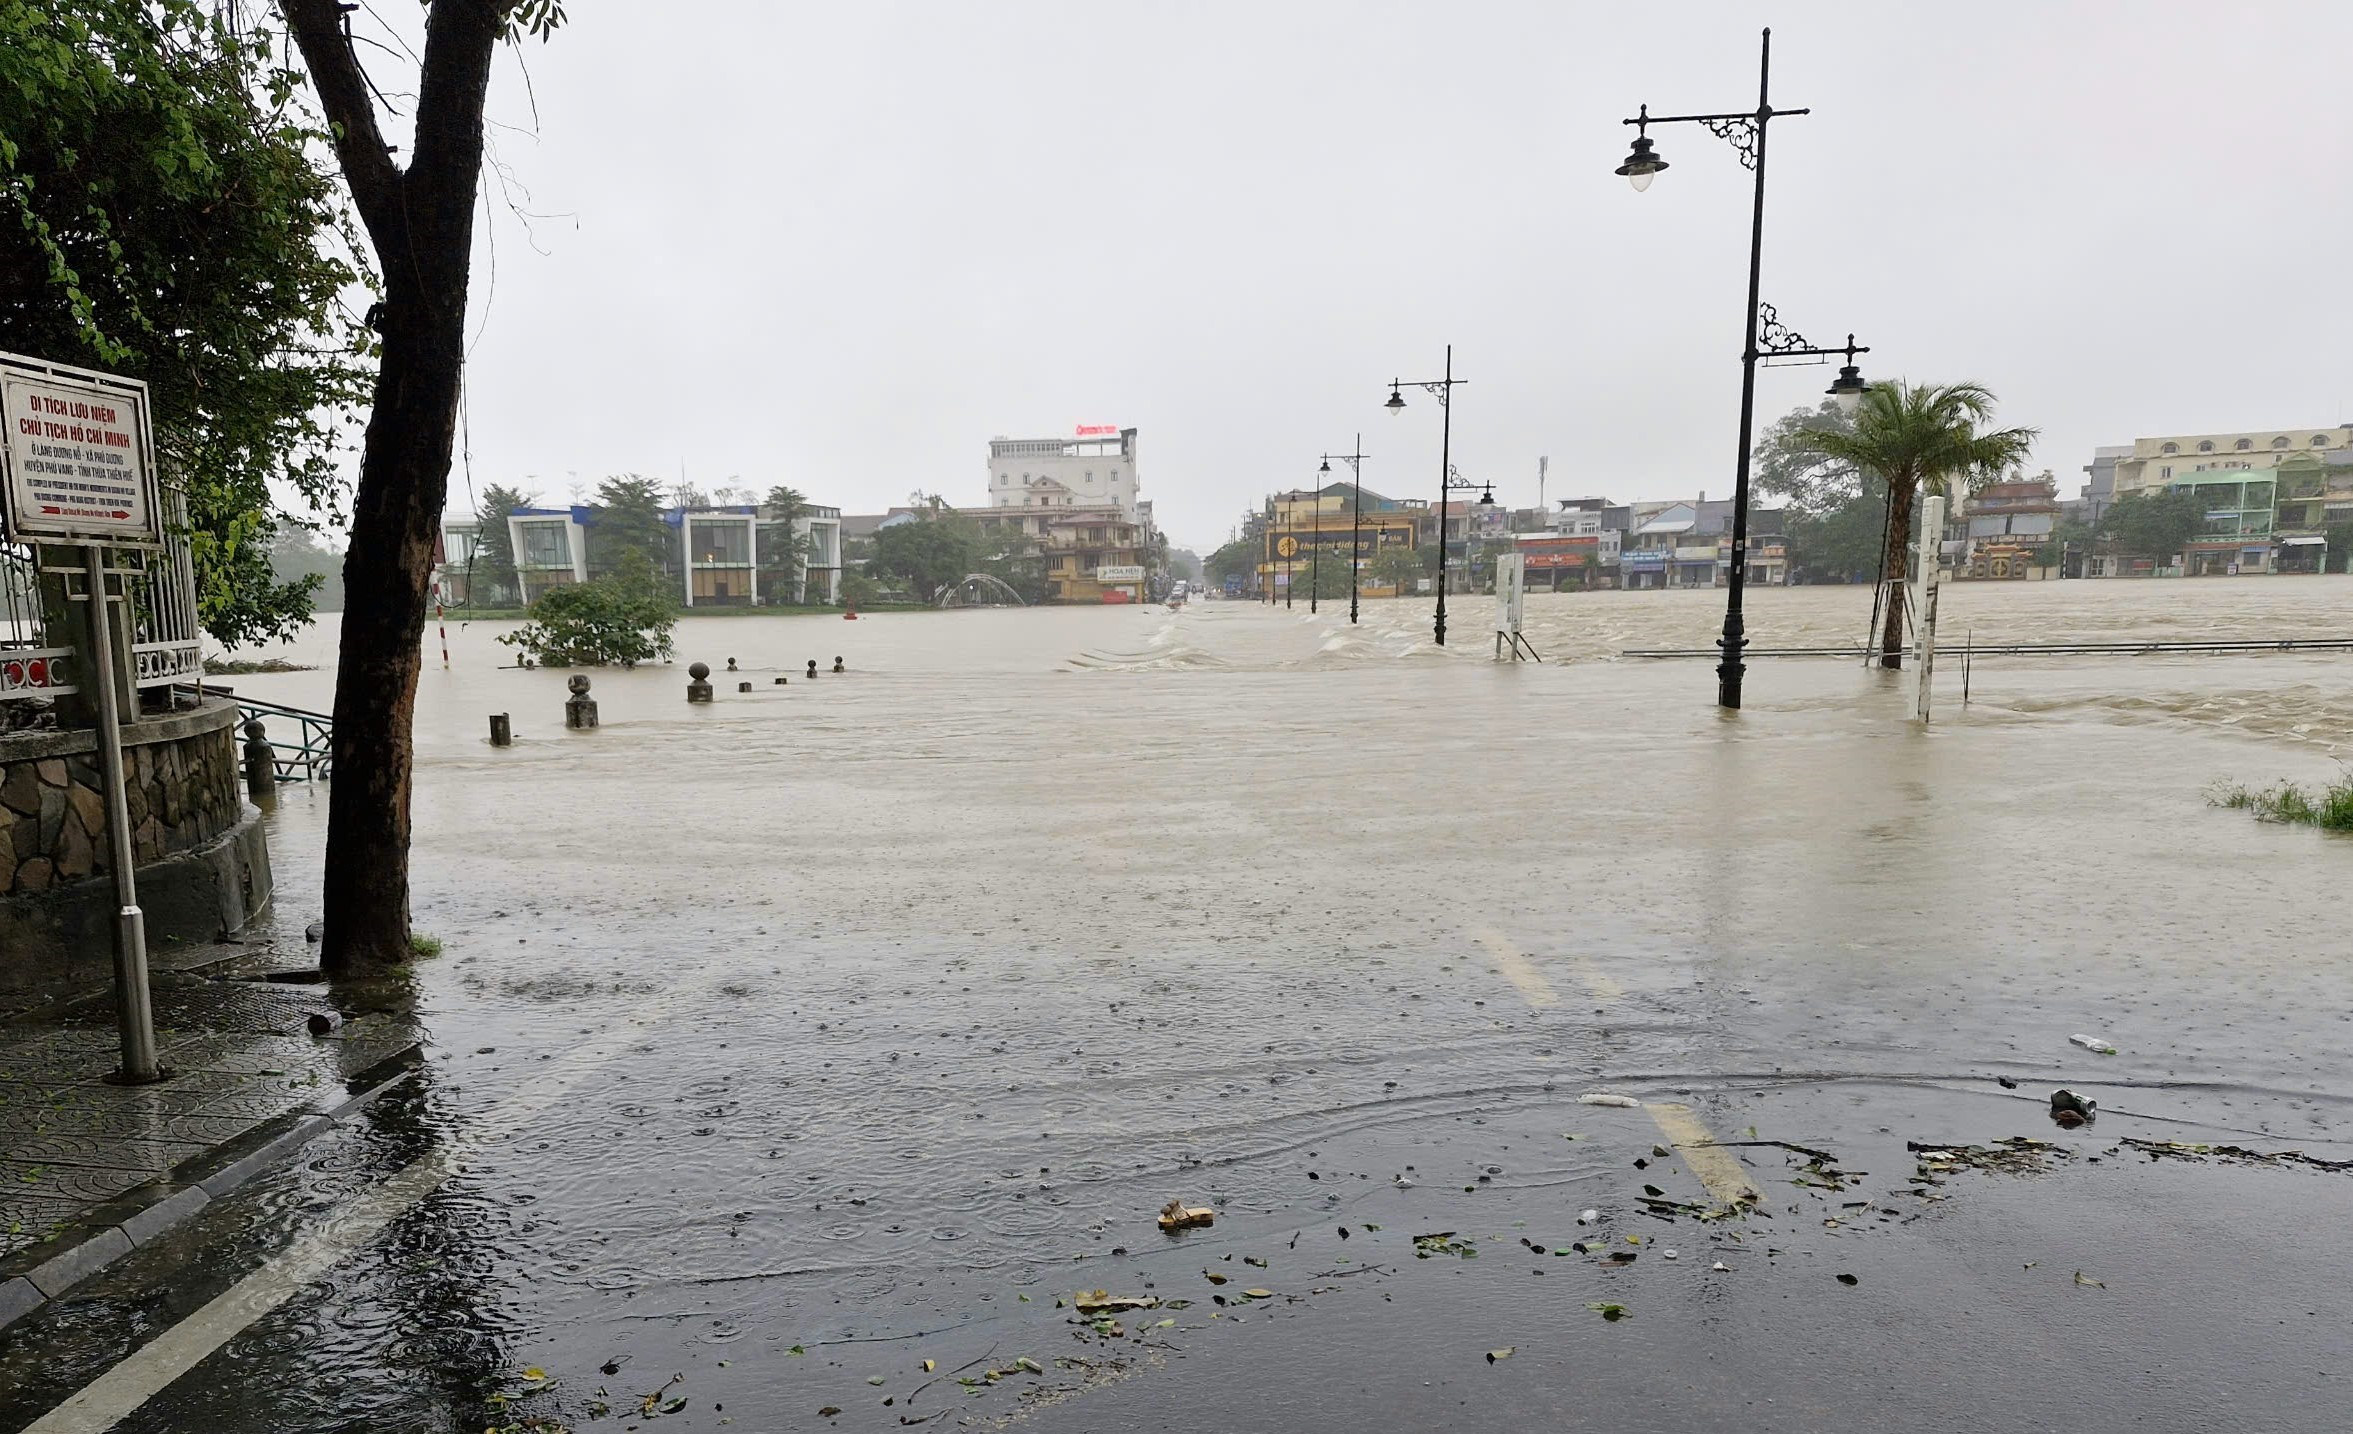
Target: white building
[719,552]
[2154,462]
[1094,469]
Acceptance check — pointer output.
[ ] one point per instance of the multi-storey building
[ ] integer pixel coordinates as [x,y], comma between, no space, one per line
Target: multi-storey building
[1095,468]
[2155,462]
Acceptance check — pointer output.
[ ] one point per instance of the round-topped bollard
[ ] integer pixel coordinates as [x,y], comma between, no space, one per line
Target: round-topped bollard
[698,690]
[579,708]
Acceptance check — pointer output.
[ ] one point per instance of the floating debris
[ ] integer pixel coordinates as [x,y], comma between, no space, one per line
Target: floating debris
[2095,1044]
[1177,1215]
[2185,1150]
[1615,1102]
[1443,1242]
[2071,1110]
[2017,1155]
[1089,1302]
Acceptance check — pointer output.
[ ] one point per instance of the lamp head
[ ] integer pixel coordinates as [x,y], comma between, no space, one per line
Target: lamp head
[1848,390]
[1642,163]
[1396,403]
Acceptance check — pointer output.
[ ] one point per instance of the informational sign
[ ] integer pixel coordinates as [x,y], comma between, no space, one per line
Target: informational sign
[1573,552]
[1511,593]
[79,455]
[1119,575]
[1286,547]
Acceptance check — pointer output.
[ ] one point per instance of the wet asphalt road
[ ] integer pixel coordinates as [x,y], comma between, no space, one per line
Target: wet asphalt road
[869,1020]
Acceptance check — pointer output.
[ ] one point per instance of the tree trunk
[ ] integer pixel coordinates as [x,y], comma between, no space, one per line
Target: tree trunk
[404,477]
[421,222]
[1896,570]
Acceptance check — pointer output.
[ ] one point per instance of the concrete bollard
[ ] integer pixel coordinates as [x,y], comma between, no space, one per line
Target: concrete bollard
[780,681]
[579,708]
[812,669]
[261,764]
[743,687]
[698,689]
[502,730]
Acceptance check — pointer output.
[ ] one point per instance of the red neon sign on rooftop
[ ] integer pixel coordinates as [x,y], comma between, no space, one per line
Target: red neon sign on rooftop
[1088,430]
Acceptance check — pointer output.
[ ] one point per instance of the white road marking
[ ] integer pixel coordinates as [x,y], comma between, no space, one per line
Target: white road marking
[113,1396]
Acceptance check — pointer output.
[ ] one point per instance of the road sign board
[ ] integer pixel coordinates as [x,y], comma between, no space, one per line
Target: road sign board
[78,454]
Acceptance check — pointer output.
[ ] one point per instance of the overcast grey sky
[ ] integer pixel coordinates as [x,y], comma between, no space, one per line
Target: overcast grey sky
[843,245]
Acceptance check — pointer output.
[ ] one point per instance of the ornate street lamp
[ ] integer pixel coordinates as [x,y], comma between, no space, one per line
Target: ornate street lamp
[1355,462]
[1745,132]
[1443,390]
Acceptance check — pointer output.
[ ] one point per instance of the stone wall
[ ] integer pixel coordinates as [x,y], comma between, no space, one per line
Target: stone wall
[183,787]
[203,866]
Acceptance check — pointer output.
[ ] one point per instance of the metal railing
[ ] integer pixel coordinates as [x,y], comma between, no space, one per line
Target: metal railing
[309,757]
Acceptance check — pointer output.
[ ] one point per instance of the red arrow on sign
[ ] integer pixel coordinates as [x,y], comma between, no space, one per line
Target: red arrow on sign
[119,513]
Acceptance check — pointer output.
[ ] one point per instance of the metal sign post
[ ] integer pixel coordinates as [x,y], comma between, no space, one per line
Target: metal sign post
[77,470]
[1931,569]
[134,1012]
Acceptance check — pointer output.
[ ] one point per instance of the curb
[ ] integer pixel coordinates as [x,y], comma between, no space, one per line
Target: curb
[141,1216]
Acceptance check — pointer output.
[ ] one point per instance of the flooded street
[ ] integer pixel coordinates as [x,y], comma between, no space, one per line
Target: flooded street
[818,1046]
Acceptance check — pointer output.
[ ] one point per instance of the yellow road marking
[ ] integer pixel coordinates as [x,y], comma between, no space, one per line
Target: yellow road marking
[1522,973]
[1602,987]
[1726,1178]
[1518,970]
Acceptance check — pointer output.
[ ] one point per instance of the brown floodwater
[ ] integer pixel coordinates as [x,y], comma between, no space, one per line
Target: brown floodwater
[864,1006]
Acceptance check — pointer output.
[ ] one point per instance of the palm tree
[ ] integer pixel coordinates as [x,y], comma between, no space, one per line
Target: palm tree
[1915,436]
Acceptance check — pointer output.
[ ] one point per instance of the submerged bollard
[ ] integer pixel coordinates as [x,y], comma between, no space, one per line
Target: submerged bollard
[579,708]
[261,764]
[699,688]
[837,665]
[502,730]
[812,667]
[743,687]
[780,682]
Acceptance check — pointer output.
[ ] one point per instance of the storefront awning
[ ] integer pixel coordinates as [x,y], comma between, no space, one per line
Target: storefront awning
[2303,540]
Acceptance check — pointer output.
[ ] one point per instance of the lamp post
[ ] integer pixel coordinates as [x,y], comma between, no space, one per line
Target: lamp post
[1745,132]
[1287,547]
[1315,554]
[1355,462]
[1456,483]
[1443,389]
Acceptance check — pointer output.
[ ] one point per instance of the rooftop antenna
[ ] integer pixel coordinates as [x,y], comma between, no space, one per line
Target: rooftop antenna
[1541,465]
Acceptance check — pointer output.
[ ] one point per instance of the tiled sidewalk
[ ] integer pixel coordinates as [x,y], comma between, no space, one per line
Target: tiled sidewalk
[81,1159]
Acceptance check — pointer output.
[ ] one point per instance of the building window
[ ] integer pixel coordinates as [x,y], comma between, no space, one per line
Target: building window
[2320,440]
[2246,443]
[2166,471]
[546,545]
[2279,443]
[2176,448]
[2206,446]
